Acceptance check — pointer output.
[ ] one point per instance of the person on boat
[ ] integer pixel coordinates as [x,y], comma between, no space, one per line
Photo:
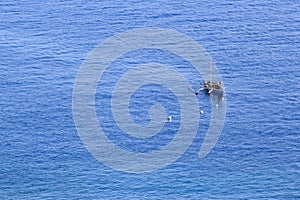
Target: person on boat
[218,86]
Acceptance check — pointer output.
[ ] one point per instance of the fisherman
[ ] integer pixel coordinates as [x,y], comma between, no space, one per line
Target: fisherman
[218,86]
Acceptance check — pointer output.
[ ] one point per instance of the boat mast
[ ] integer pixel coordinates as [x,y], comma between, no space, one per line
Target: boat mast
[210,72]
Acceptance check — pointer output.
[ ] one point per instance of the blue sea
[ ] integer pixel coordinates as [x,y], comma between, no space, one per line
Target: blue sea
[254,44]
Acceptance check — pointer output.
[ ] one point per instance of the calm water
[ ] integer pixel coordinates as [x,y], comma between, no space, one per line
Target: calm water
[255,45]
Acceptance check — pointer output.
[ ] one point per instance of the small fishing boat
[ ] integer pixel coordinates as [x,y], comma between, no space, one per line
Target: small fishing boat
[212,87]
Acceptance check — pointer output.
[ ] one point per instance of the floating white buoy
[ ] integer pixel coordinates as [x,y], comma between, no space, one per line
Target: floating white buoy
[201,112]
[170,119]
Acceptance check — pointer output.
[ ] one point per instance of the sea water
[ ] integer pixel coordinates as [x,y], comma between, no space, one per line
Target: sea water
[255,46]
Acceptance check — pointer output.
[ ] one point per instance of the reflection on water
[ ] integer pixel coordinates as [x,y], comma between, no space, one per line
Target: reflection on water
[217,99]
